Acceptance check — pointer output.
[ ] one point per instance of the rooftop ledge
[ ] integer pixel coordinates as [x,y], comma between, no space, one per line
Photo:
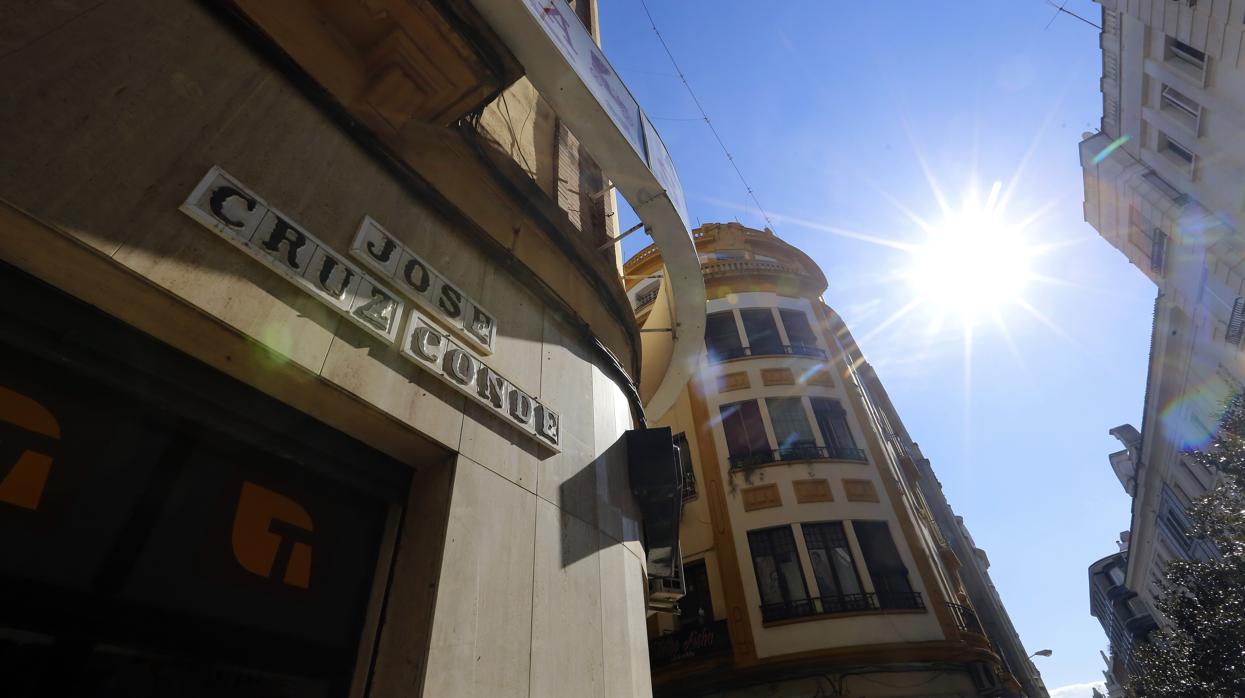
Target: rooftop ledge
[569,70]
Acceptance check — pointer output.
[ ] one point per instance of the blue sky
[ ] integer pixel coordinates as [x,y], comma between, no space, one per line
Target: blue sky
[830,108]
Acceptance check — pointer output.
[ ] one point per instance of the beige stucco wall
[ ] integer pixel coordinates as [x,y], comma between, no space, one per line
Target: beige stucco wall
[1193,368]
[122,109]
[830,631]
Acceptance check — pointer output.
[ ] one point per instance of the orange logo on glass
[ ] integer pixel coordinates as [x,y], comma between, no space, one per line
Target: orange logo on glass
[27,430]
[272,536]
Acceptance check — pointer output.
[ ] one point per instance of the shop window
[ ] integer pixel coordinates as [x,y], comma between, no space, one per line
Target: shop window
[722,337]
[780,578]
[762,331]
[885,567]
[832,422]
[838,582]
[791,428]
[745,433]
[800,333]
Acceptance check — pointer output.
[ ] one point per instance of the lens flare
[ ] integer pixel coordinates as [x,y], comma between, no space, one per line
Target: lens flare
[972,264]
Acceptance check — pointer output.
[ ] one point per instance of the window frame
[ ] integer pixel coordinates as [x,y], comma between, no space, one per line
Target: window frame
[718,354]
[858,600]
[810,347]
[728,412]
[789,607]
[758,345]
[894,595]
[1178,154]
[798,450]
[832,409]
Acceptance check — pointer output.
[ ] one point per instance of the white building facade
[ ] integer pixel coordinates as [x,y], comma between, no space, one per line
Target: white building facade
[1165,184]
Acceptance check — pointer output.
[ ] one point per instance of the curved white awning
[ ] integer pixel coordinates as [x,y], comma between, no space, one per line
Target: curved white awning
[568,68]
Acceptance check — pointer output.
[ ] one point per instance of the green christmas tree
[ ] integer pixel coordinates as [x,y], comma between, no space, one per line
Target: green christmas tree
[1202,651]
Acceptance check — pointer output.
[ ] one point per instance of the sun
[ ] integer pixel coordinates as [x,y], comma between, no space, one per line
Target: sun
[972,264]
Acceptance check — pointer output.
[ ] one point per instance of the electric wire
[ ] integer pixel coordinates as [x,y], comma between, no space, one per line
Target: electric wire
[705,116]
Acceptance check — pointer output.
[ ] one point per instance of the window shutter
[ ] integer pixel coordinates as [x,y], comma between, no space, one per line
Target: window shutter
[1236,325]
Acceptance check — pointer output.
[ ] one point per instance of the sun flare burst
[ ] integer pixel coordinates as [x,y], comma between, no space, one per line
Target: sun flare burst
[972,264]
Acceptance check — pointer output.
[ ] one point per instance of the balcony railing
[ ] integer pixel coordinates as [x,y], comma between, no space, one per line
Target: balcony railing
[645,298]
[798,452]
[841,603]
[748,266]
[965,619]
[725,354]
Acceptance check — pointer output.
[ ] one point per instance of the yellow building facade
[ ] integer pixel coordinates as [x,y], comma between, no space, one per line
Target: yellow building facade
[812,565]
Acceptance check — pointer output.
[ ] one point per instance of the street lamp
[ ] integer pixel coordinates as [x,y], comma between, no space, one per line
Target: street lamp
[1042,653]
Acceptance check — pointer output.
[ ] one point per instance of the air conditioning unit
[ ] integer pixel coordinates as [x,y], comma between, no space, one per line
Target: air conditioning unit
[664,591]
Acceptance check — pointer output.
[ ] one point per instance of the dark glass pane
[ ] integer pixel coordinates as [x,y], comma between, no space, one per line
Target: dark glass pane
[886,569]
[790,423]
[799,332]
[722,337]
[745,433]
[832,421]
[832,559]
[762,331]
[780,578]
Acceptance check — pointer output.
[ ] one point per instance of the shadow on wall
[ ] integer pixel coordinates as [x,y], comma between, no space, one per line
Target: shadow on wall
[597,497]
[120,118]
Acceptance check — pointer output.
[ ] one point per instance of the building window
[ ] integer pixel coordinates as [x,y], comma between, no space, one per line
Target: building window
[1145,235]
[1164,186]
[1184,107]
[745,434]
[838,583]
[1236,323]
[780,579]
[762,331]
[799,333]
[1181,52]
[1177,151]
[725,256]
[791,428]
[832,422]
[885,567]
[722,337]
[1158,250]
[647,295]
[685,462]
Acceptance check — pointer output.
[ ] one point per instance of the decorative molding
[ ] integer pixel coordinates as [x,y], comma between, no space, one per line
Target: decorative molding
[777,376]
[733,381]
[820,377]
[815,490]
[761,497]
[860,490]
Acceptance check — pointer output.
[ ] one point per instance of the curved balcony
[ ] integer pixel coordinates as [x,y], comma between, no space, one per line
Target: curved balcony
[966,619]
[748,266]
[836,604]
[718,354]
[796,453]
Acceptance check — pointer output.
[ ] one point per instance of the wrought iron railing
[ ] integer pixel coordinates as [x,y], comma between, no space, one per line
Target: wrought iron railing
[797,452]
[841,603]
[728,353]
[965,619]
